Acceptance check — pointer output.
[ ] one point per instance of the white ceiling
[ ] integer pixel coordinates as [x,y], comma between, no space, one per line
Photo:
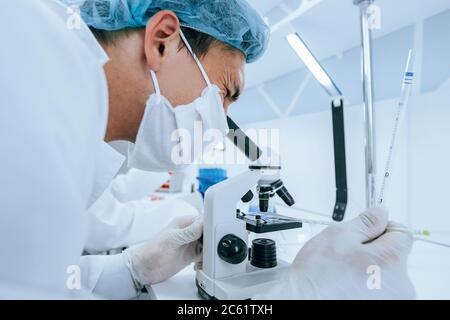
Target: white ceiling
[331,27]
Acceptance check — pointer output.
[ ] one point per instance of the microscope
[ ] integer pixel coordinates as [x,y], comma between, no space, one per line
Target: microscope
[233,268]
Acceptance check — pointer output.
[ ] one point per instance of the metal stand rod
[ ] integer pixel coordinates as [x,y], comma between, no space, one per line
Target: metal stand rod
[370,154]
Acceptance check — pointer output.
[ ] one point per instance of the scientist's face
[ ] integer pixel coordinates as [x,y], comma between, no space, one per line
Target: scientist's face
[159,48]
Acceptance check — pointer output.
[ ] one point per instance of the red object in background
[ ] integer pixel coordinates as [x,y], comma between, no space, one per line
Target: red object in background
[155,198]
[166,186]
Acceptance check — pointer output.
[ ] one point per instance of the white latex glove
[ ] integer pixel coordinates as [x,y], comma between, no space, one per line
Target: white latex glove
[195,199]
[339,263]
[173,249]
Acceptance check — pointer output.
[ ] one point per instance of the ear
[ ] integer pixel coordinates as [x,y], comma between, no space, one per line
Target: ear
[162,38]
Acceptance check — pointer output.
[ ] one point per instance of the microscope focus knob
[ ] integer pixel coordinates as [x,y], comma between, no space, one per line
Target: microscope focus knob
[232,249]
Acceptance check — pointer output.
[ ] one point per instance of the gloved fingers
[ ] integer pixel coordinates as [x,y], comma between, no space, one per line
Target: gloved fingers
[397,229]
[199,253]
[396,226]
[182,222]
[191,253]
[391,247]
[390,253]
[198,265]
[189,234]
[194,199]
[194,231]
[196,250]
[369,225]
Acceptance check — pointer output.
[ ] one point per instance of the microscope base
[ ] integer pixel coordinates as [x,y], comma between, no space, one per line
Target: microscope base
[241,286]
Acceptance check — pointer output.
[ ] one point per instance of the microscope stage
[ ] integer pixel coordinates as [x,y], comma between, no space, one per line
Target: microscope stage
[261,222]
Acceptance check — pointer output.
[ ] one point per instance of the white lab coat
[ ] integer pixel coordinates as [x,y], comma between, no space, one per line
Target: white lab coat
[53,117]
[137,184]
[115,224]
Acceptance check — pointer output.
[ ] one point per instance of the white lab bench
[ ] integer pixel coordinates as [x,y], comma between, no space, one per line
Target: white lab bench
[428,266]
[182,286]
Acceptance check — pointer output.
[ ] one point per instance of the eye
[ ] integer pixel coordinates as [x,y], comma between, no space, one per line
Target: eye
[232,97]
[236,96]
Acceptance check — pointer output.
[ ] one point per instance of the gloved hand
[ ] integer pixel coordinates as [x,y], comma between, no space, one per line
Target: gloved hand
[173,249]
[195,199]
[360,259]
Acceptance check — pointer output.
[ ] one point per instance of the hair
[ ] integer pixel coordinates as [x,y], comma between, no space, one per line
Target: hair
[199,41]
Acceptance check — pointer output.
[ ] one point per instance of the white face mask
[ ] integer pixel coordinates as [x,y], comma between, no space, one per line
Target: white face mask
[157,146]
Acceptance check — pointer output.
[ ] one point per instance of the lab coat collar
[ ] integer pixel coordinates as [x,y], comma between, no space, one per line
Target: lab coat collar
[89,40]
[82,30]
[109,162]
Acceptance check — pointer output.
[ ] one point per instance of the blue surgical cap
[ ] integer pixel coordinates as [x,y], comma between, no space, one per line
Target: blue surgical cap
[233,22]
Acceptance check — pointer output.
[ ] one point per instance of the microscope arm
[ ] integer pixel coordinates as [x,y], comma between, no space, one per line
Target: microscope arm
[340,165]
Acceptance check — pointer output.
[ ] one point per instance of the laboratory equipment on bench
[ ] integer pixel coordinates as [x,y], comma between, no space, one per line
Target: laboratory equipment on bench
[177,183]
[405,94]
[230,270]
[401,108]
[232,267]
[418,234]
[208,177]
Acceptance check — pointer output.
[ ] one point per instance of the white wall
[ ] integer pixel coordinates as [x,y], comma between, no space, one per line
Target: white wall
[421,172]
[429,175]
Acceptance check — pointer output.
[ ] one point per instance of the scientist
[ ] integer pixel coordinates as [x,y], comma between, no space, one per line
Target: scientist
[61,98]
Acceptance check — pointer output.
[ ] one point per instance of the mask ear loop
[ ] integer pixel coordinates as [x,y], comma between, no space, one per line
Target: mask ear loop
[188,46]
[156,84]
